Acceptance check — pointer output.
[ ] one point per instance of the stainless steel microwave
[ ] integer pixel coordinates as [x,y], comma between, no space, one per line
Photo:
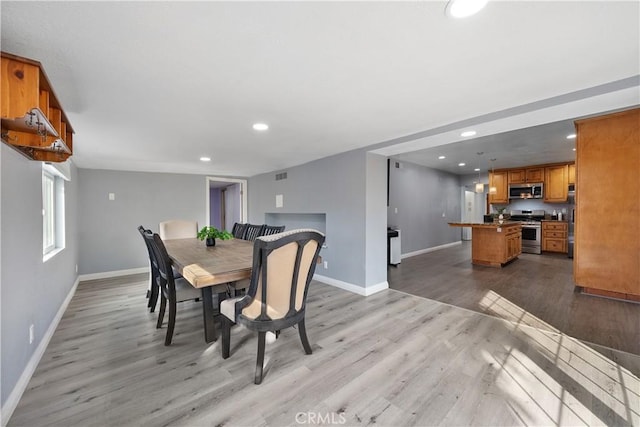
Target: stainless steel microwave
[525,191]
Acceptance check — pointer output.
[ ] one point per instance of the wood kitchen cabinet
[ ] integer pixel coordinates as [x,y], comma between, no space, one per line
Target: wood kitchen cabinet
[499,180]
[556,183]
[494,245]
[607,229]
[33,121]
[572,173]
[554,236]
[513,239]
[527,175]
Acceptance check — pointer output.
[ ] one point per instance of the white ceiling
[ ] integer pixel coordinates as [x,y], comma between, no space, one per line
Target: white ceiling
[523,147]
[153,86]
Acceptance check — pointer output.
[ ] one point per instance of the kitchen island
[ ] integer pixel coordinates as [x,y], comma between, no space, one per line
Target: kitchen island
[494,244]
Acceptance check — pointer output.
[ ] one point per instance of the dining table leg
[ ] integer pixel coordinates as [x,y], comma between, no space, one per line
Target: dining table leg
[210,333]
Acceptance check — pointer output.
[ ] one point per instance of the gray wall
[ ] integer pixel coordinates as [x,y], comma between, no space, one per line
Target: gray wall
[31,291]
[336,186]
[421,196]
[376,219]
[108,229]
[292,221]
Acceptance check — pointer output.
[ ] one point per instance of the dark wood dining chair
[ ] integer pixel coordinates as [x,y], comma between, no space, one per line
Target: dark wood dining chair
[152,293]
[239,230]
[283,266]
[268,230]
[171,290]
[252,232]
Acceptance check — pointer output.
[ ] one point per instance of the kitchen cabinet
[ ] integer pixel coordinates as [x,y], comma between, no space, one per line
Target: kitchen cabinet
[607,230]
[499,181]
[493,244]
[33,121]
[513,238]
[554,236]
[572,173]
[527,175]
[556,183]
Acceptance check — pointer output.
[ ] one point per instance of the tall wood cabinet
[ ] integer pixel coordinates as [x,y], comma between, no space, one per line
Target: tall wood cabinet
[607,228]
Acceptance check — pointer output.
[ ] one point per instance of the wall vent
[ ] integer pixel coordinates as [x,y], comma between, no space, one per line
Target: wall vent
[281,176]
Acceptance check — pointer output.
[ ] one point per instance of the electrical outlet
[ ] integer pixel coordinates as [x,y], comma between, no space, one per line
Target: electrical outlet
[31,334]
[326,265]
[112,196]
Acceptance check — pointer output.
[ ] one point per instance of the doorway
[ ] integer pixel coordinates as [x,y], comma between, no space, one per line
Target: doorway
[226,202]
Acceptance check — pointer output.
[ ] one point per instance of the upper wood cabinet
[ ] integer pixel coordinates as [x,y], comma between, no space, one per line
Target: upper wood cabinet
[526,175]
[572,173]
[556,183]
[517,176]
[33,121]
[535,174]
[499,181]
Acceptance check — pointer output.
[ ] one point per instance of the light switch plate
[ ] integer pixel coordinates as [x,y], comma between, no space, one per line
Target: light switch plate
[279,200]
[112,196]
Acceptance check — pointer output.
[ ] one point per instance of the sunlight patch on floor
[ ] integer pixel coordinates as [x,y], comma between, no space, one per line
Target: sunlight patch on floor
[558,380]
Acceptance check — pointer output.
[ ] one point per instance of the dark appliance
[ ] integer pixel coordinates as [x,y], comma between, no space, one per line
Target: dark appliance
[571,220]
[525,191]
[488,218]
[531,221]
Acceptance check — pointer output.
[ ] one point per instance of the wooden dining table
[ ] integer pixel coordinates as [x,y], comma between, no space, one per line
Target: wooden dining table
[213,269]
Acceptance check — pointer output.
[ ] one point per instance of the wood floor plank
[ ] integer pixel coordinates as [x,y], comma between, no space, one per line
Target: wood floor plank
[388,359]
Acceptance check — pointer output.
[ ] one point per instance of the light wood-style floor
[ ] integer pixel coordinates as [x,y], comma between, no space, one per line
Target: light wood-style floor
[542,285]
[391,359]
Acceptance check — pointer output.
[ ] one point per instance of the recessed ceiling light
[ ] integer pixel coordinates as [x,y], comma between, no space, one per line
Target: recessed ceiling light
[441,157]
[468,133]
[461,164]
[464,8]
[477,169]
[572,136]
[205,159]
[260,126]
[574,149]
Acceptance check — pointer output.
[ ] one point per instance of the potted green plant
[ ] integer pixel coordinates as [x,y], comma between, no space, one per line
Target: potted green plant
[501,213]
[209,234]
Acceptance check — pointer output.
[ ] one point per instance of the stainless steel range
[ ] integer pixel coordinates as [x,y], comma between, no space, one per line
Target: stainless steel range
[531,221]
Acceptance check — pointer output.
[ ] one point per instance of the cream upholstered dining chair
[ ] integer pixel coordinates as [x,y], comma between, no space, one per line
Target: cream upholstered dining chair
[178,229]
[283,265]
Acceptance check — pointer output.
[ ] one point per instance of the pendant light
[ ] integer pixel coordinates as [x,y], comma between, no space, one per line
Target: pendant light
[492,189]
[479,184]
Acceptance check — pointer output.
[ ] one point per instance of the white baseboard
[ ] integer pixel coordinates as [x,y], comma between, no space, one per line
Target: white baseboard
[14,397]
[427,250]
[115,273]
[369,290]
